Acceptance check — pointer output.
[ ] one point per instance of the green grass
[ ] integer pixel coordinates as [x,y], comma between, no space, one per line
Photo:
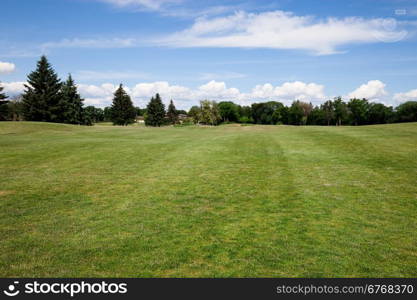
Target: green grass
[242,201]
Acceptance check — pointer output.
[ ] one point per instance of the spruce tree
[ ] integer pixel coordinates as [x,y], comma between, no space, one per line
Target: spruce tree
[70,103]
[3,96]
[3,105]
[155,112]
[42,94]
[122,110]
[172,113]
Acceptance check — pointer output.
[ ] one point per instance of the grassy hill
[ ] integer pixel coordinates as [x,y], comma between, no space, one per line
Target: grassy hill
[232,200]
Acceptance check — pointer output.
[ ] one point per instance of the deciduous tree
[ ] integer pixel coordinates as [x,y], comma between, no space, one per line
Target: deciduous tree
[263,113]
[307,109]
[228,111]
[195,114]
[378,113]
[359,110]
[295,113]
[328,109]
[210,114]
[407,112]
[340,110]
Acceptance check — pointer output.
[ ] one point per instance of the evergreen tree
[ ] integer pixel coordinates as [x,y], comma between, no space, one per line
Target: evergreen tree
[172,113]
[155,112]
[89,116]
[3,105]
[70,103]
[3,96]
[42,94]
[122,110]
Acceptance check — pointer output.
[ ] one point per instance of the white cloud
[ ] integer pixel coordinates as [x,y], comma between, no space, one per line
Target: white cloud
[372,90]
[162,87]
[174,8]
[6,67]
[273,29]
[217,90]
[185,97]
[300,90]
[288,92]
[103,90]
[91,43]
[407,96]
[146,4]
[98,95]
[98,102]
[13,88]
[142,92]
[282,30]
[182,12]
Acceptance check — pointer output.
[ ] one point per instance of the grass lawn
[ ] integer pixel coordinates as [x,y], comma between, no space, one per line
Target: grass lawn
[242,201]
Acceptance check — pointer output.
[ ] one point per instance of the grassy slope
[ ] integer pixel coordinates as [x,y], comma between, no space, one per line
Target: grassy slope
[227,201]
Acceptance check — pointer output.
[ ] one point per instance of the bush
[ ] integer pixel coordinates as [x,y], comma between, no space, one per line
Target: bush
[245,119]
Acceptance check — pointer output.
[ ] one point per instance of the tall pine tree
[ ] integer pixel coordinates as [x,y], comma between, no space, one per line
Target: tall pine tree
[42,94]
[71,103]
[155,112]
[122,110]
[172,113]
[3,105]
[3,96]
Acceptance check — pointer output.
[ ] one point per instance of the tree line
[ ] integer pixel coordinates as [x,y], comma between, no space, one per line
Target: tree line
[332,112]
[46,98]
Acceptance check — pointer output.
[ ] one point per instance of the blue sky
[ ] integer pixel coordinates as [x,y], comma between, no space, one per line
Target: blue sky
[244,51]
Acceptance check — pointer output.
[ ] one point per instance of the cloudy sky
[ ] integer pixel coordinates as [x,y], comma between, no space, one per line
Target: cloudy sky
[244,51]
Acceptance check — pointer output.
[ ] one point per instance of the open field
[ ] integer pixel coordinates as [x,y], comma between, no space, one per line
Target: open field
[245,201]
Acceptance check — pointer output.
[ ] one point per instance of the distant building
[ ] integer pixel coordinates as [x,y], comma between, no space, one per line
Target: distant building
[182,117]
[140,119]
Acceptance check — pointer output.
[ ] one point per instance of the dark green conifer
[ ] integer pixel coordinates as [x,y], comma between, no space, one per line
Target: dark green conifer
[42,94]
[3,104]
[70,103]
[155,112]
[172,113]
[3,96]
[122,110]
